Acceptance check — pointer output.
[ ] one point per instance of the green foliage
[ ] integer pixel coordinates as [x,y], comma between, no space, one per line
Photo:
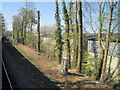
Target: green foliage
[103,17]
[65,13]
[31,16]
[15,34]
[31,40]
[48,49]
[71,10]
[104,29]
[58,36]
[91,67]
[28,15]
[16,27]
[23,23]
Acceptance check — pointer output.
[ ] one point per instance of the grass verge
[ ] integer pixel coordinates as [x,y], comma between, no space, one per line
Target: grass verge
[28,57]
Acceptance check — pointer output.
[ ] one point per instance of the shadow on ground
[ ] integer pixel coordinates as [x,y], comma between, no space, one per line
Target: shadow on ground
[74,74]
[78,84]
[25,74]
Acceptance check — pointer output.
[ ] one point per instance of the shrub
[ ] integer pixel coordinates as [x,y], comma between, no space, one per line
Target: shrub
[91,67]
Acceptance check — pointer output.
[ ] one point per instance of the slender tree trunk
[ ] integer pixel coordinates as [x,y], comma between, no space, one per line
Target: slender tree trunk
[38,28]
[79,61]
[76,50]
[70,16]
[58,36]
[111,58]
[107,45]
[18,34]
[22,30]
[71,29]
[13,31]
[112,73]
[24,34]
[31,26]
[67,42]
[101,56]
[25,25]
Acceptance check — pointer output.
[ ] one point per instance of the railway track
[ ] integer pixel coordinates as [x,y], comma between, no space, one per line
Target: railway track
[21,73]
[6,83]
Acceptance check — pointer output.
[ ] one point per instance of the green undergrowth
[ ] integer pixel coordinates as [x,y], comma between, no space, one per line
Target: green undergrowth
[53,79]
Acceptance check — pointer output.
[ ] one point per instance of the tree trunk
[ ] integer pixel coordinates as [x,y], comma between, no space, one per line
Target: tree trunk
[58,36]
[76,49]
[79,61]
[18,35]
[13,31]
[67,42]
[107,45]
[31,26]
[24,34]
[101,56]
[111,58]
[22,29]
[38,28]
[71,29]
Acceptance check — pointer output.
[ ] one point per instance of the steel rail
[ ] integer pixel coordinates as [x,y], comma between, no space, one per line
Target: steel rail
[7,76]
